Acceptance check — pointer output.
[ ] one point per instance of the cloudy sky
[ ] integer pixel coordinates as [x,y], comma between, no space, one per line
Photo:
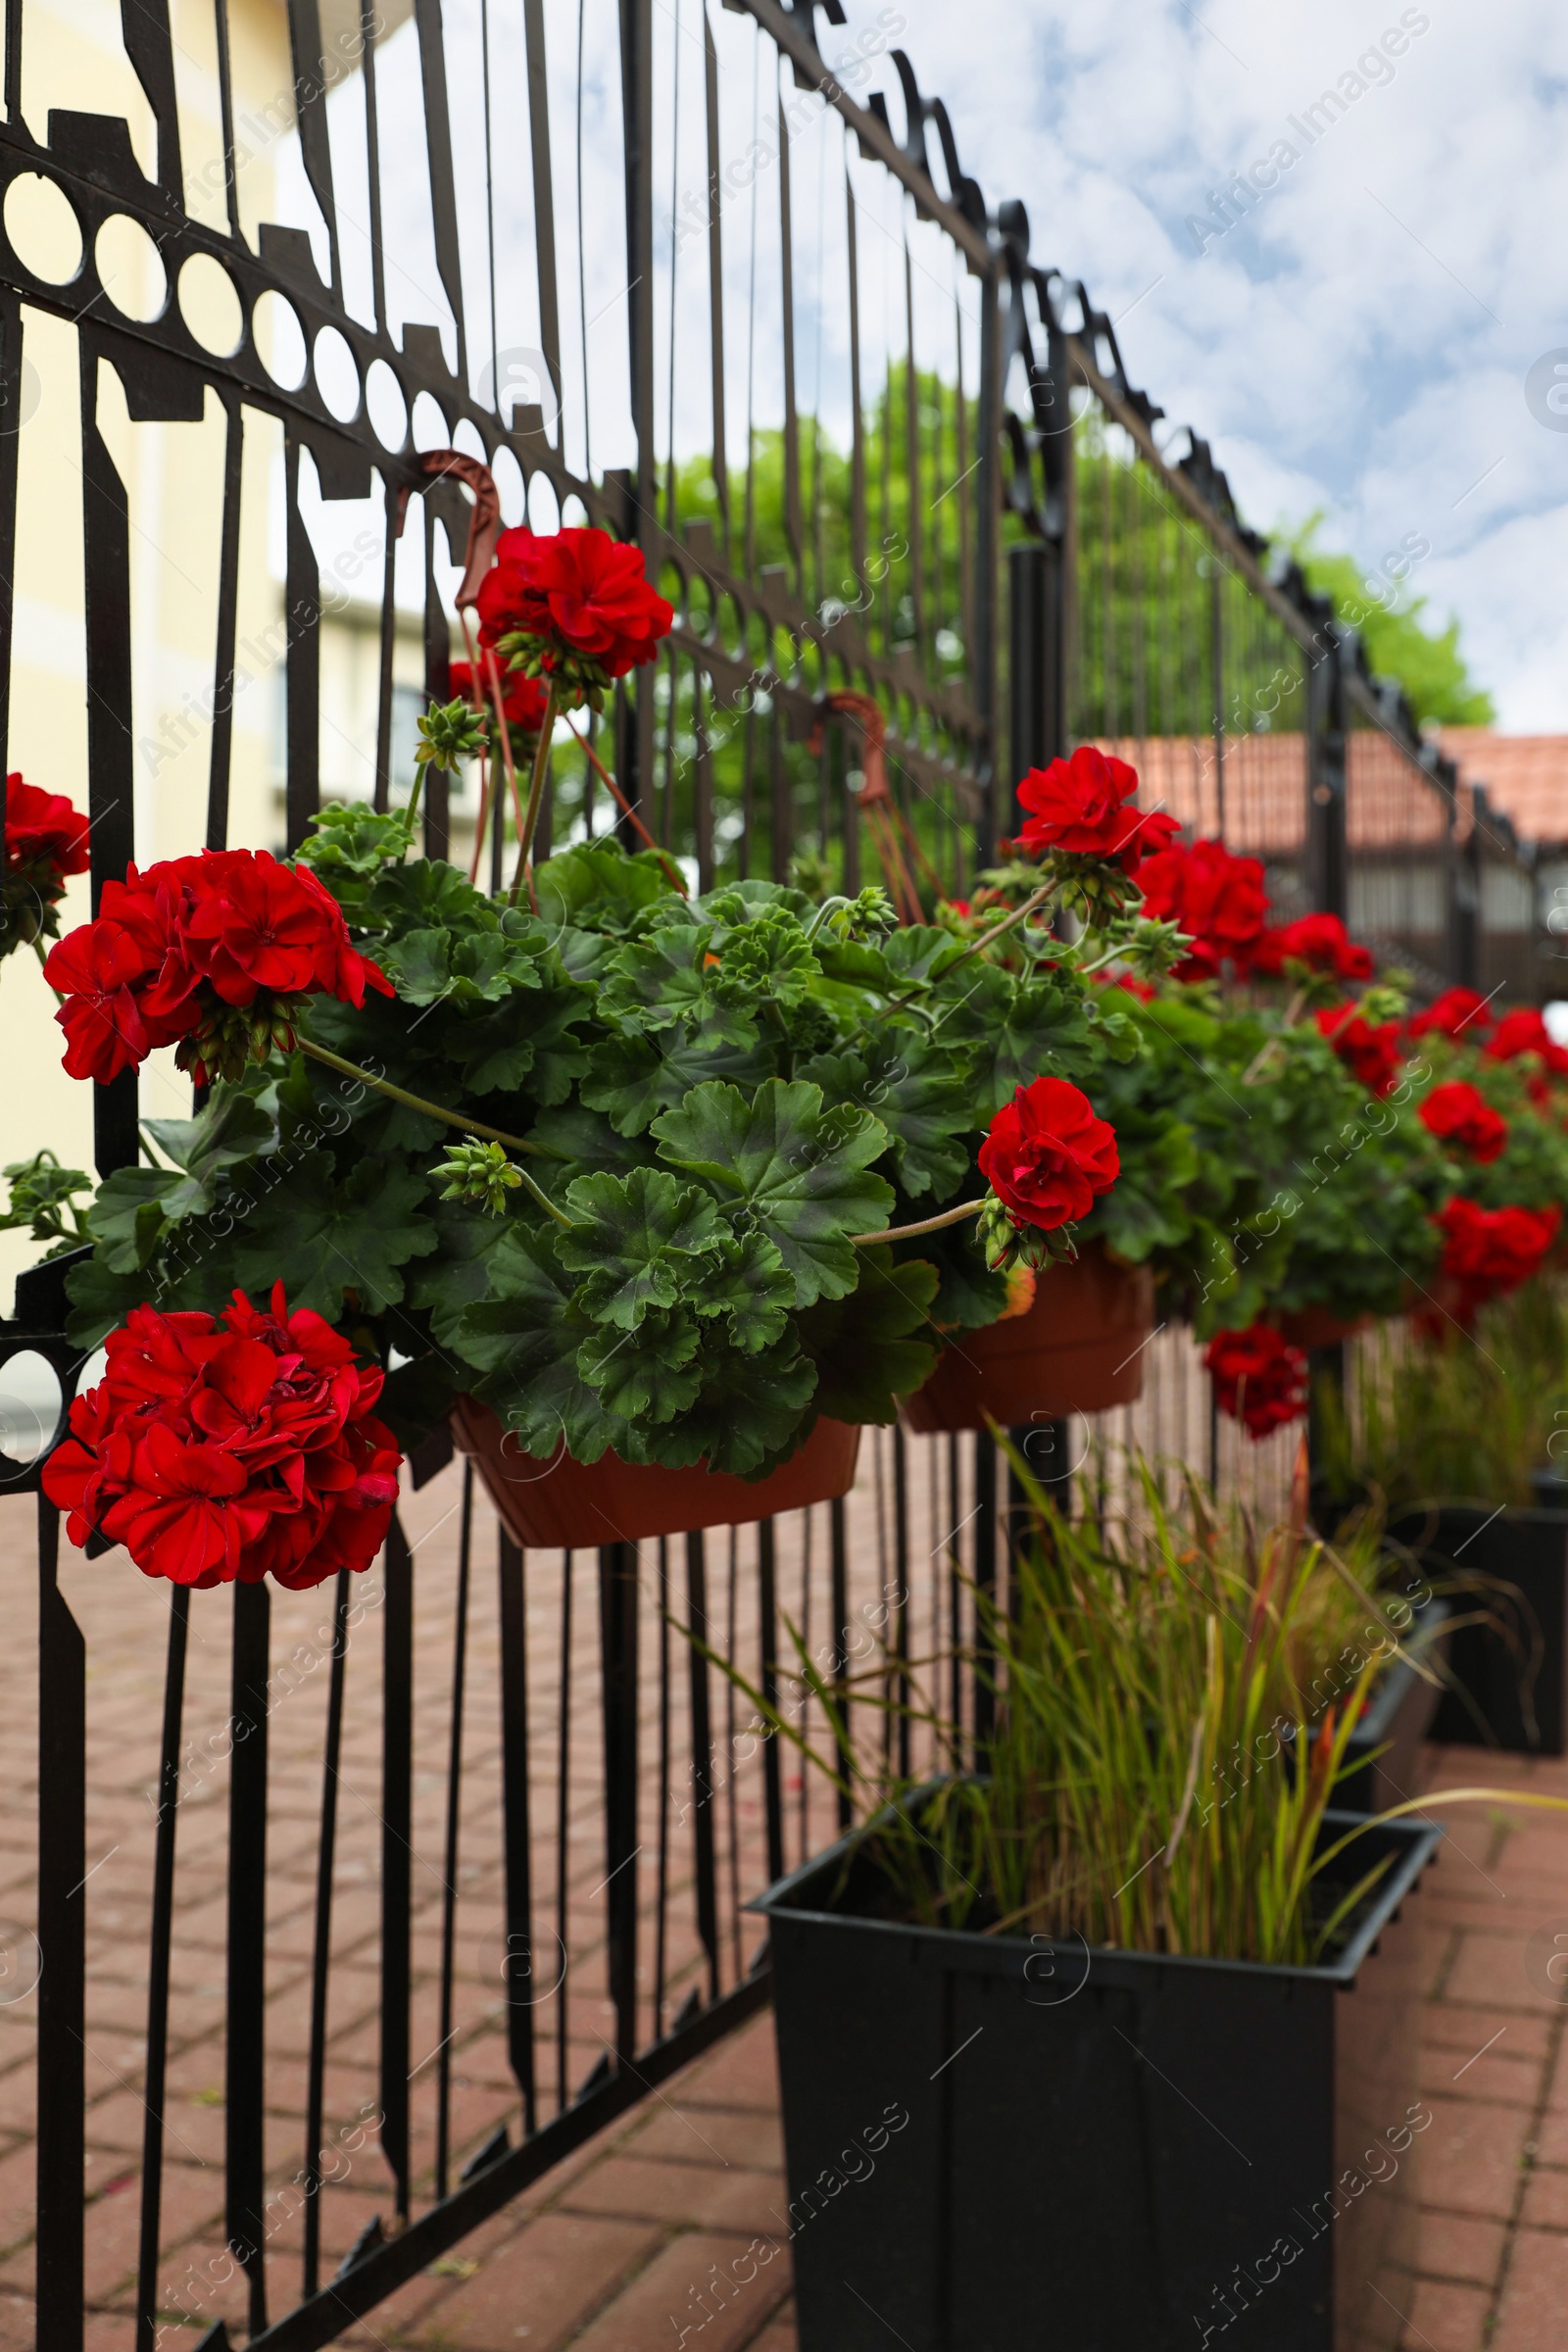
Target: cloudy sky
[1361,339]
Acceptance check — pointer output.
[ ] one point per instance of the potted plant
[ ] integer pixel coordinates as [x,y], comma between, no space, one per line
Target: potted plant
[1452,1433]
[1458,1432]
[1118,2022]
[1072,1333]
[620,1175]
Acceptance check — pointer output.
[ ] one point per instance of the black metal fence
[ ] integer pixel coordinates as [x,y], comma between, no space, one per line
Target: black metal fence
[481,1877]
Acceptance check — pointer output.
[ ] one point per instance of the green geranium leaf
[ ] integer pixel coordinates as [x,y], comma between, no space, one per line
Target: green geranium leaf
[647,1374]
[321,1235]
[639,1239]
[667,982]
[597,886]
[768,957]
[459,1272]
[523,1340]
[799,1170]
[751,1414]
[750,1283]
[101,1299]
[875,1346]
[130,1211]
[1039,1028]
[921,1096]
[633,1078]
[921,951]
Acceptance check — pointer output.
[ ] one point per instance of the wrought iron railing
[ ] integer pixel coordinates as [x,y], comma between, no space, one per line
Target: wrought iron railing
[920,533]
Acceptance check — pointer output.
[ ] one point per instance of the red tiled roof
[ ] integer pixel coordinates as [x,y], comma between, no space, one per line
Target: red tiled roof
[1525,777]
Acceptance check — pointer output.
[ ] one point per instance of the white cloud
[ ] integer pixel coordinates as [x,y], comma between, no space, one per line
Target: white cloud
[1360,341]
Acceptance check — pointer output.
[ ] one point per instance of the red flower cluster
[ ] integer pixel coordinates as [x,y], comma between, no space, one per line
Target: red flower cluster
[1083,806]
[1459,1114]
[1491,1250]
[1319,941]
[1457,1013]
[212,954]
[1218,898]
[1524,1031]
[1047,1155]
[1369,1050]
[1259,1379]
[43,831]
[45,840]
[582,599]
[236,1449]
[522,699]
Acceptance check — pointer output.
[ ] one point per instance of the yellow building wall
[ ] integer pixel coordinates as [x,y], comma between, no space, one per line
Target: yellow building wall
[72,56]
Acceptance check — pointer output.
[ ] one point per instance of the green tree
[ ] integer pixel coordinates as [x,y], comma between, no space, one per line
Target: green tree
[1428,664]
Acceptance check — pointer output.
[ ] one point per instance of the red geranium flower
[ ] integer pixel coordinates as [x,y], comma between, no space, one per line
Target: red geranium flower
[1083,806]
[1457,1013]
[239,1448]
[1492,1250]
[45,840]
[1218,898]
[574,593]
[1459,1114]
[43,830]
[1524,1031]
[94,971]
[1369,1050]
[1047,1155]
[522,699]
[1319,941]
[214,954]
[1259,1379]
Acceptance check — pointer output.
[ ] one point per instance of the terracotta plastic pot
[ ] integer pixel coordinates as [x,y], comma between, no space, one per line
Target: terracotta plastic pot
[566,1505]
[1079,1349]
[1309,1327]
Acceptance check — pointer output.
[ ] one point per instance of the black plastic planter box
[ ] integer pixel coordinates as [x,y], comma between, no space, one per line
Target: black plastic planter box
[1398,1720]
[1528,1550]
[995,2143]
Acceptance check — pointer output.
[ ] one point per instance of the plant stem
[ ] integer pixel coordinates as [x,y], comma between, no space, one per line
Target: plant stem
[537,792]
[905,1233]
[676,877]
[996,931]
[435,1110]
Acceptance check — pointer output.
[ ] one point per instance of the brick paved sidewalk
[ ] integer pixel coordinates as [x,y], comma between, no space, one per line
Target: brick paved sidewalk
[612,2254]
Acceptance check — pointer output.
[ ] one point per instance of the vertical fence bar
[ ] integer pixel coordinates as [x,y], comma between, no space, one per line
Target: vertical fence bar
[636,732]
[454,1832]
[228,624]
[62,1950]
[838,1538]
[1325,782]
[244,2134]
[523,1988]
[562,1819]
[11,382]
[397,1852]
[772,1762]
[111,769]
[321,1943]
[702,1798]
[158,1959]
[984,1585]
[618,1641]
[303,658]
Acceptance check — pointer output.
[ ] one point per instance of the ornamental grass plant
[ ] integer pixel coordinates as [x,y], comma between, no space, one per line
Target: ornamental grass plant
[1462,1416]
[1173,1704]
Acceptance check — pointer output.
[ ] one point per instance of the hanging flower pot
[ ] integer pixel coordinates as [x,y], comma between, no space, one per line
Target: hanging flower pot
[1077,1347]
[1309,1327]
[566,1505]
